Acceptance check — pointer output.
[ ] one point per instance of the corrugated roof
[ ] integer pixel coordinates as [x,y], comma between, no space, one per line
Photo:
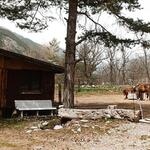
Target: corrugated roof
[45,65]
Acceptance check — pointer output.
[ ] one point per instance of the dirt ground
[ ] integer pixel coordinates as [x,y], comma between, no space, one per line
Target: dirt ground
[82,134]
[102,101]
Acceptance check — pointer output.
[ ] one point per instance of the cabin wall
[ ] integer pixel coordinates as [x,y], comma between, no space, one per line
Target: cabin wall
[18,64]
[12,73]
[14,80]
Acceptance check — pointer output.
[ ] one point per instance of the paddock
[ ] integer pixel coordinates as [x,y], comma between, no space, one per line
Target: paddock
[102,101]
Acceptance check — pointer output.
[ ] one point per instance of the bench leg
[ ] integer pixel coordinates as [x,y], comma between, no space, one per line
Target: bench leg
[37,113]
[21,114]
[52,113]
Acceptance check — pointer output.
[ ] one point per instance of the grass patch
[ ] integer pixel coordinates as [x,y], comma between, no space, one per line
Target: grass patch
[52,122]
[12,123]
[5,144]
[101,89]
[145,137]
[22,123]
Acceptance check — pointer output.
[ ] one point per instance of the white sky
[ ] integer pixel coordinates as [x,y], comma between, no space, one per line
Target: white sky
[57,28]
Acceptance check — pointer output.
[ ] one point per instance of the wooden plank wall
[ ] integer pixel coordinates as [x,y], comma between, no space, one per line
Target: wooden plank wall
[19,64]
[9,92]
[3,84]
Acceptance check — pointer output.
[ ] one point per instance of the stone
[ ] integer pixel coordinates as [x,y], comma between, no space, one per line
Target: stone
[33,127]
[37,130]
[60,106]
[84,121]
[79,130]
[38,148]
[112,107]
[93,127]
[57,127]
[42,125]
[29,131]
[74,131]
[85,126]
[45,123]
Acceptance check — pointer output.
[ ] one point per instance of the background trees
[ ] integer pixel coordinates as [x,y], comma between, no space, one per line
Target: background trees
[30,14]
[90,56]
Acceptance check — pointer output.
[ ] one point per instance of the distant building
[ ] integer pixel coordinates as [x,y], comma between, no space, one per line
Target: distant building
[23,77]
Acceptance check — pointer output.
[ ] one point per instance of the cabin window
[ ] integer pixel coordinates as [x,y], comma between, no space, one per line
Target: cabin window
[31,83]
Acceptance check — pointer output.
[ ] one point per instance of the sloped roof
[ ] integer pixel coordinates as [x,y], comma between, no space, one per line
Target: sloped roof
[40,63]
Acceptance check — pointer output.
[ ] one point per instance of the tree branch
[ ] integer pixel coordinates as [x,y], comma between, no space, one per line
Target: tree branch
[84,13]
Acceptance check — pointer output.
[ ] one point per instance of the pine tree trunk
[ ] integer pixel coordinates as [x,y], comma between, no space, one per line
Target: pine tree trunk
[70,55]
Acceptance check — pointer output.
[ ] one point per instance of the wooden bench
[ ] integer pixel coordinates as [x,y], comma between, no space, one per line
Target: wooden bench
[34,105]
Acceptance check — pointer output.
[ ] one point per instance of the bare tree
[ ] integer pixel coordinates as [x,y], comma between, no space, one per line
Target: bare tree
[111,54]
[146,64]
[135,70]
[125,59]
[91,55]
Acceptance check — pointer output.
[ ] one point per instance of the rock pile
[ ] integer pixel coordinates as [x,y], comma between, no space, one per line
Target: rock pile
[42,126]
[129,114]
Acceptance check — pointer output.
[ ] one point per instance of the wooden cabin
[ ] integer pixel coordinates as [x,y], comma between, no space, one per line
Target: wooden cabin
[23,77]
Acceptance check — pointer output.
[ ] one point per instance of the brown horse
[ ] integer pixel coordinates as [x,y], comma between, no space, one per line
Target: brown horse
[142,88]
[128,90]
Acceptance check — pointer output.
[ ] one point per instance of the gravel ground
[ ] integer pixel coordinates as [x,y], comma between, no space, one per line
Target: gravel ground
[105,135]
[82,135]
[131,136]
[127,136]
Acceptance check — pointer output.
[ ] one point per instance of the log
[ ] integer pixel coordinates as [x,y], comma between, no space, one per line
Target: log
[128,114]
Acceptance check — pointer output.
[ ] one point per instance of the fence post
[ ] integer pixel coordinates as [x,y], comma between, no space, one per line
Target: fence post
[59,93]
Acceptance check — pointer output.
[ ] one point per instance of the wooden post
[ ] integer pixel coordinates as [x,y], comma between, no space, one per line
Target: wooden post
[3,85]
[1,88]
[59,93]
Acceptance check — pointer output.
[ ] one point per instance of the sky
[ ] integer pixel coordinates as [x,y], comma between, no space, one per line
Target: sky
[57,28]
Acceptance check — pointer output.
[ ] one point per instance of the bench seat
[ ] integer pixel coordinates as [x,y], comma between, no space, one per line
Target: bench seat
[36,109]
[36,105]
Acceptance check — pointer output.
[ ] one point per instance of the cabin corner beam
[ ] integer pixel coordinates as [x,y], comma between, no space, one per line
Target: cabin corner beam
[3,85]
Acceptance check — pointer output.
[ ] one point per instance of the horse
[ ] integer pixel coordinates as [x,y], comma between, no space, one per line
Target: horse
[128,90]
[142,88]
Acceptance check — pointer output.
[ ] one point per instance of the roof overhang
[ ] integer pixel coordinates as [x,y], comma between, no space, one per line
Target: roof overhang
[44,65]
